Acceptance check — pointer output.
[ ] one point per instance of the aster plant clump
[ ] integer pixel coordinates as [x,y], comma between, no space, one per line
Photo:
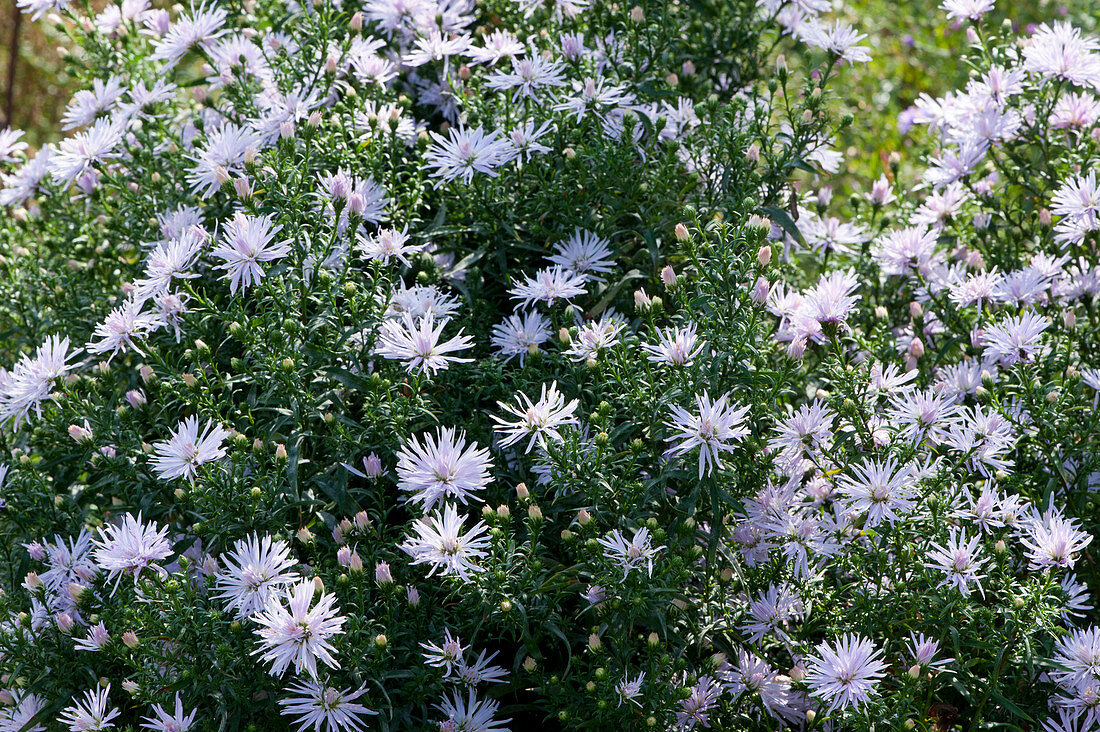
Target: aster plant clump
[439,364]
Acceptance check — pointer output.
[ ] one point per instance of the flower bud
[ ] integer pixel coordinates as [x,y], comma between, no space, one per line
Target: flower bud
[522,492]
[130,639]
[32,581]
[64,623]
[583,517]
[915,310]
[80,434]
[382,574]
[413,596]
[594,642]
[682,233]
[305,535]
[637,15]
[136,398]
[668,276]
[764,255]
[916,348]
[381,641]
[356,22]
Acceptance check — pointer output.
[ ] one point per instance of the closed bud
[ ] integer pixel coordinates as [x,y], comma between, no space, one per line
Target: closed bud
[522,492]
[356,22]
[506,605]
[668,276]
[564,337]
[1069,319]
[381,641]
[653,640]
[914,671]
[136,398]
[764,255]
[280,452]
[915,310]
[916,348]
[534,513]
[64,623]
[32,581]
[583,517]
[637,15]
[130,639]
[382,574]
[190,380]
[1000,547]
[413,596]
[682,233]
[811,715]
[243,188]
[305,535]
[529,664]
[594,642]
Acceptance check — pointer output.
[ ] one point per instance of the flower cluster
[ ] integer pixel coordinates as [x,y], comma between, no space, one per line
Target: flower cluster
[440,364]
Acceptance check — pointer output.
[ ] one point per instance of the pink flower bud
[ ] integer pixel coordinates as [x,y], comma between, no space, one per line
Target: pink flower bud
[760,291]
[682,233]
[382,574]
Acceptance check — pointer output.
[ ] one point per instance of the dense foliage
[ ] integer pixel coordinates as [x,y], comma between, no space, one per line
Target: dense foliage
[417,364]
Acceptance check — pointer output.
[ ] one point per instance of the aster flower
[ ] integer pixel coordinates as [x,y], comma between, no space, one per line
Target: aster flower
[315,704]
[1016,339]
[1062,52]
[1077,657]
[389,244]
[593,338]
[200,27]
[771,613]
[470,714]
[465,152]
[925,650]
[256,572]
[174,721]
[187,449]
[223,157]
[131,546]
[527,76]
[23,712]
[549,286]
[712,430]
[1053,541]
[675,346]
[879,490]
[629,555]
[442,467]
[959,560]
[31,381]
[447,655]
[630,689]
[10,145]
[416,343]
[480,671]
[844,673]
[540,420]
[839,38]
[169,260]
[439,540]
[92,714]
[584,253]
[245,242]
[499,44]
[77,155]
[520,335]
[121,329]
[97,639]
[296,633]
[754,676]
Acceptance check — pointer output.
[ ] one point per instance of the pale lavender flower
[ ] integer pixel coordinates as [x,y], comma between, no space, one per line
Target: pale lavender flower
[540,420]
[175,721]
[76,155]
[227,148]
[1052,540]
[439,540]
[416,343]
[131,546]
[198,28]
[465,152]
[880,490]
[630,689]
[924,650]
[97,639]
[447,655]
[442,467]
[31,381]
[584,253]
[245,242]
[388,244]
[527,76]
[637,553]
[959,560]
[256,572]
[188,448]
[548,286]
[92,714]
[316,704]
[970,9]
[713,429]
[471,714]
[838,38]
[1016,339]
[520,335]
[296,633]
[844,673]
[121,329]
[10,145]
[675,346]
[594,338]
